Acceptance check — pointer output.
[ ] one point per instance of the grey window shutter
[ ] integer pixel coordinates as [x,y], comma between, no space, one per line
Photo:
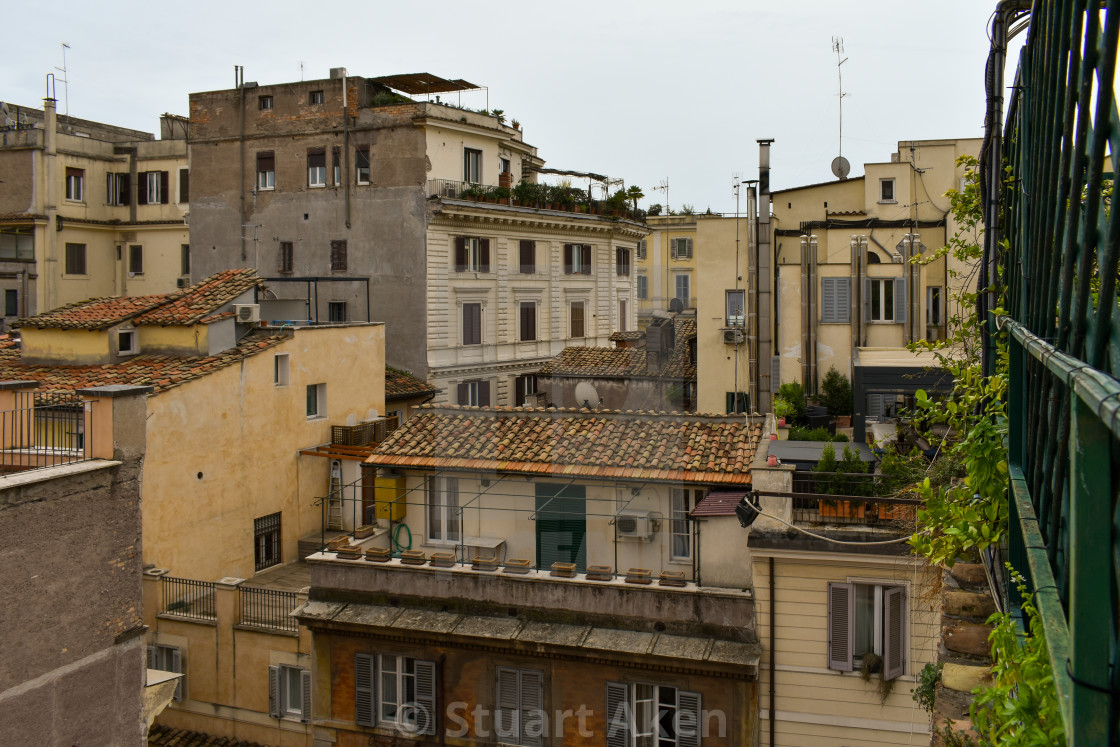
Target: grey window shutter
[867,299]
[484,394]
[828,300]
[532,720]
[900,300]
[618,715]
[894,606]
[177,667]
[365,688]
[305,692]
[508,701]
[775,372]
[875,405]
[841,626]
[484,251]
[844,300]
[672,248]
[688,248]
[152,658]
[274,692]
[586,259]
[426,697]
[688,719]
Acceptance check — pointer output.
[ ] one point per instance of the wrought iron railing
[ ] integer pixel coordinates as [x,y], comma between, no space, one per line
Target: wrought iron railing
[268,609]
[44,429]
[1048,194]
[185,597]
[849,499]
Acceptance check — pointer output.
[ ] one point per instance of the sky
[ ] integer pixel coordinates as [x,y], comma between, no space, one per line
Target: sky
[650,92]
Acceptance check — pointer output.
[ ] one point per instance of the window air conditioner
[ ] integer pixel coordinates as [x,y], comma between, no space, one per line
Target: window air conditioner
[634,524]
[182,282]
[932,332]
[733,336]
[247,313]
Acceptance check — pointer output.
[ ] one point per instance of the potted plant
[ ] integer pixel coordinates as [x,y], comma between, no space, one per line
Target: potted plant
[793,393]
[836,395]
[782,410]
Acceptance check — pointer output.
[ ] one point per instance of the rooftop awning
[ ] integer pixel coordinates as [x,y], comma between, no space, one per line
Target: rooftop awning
[719,503]
[423,83]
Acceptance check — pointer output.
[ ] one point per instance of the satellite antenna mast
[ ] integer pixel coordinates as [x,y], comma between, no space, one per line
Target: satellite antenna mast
[840,165]
[663,187]
[65,83]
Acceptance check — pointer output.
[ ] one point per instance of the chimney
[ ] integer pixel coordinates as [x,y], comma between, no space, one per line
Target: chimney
[766,378]
[337,73]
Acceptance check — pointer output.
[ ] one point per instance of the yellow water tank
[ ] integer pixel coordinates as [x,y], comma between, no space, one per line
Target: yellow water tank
[388,492]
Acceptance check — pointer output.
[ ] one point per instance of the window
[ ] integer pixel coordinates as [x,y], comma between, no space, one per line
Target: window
[472,323]
[735,306]
[472,254]
[680,248]
[523,386]
[528,257]
[266,541]
[11,302]
[264,103]
[286,257]
[315,97]
[503,166]
[577,259]
[266,170]
[934,313]
[884,299]
[184,259]
[474,393]
[336,311]
[867,618]
[336,165]
[289,692]
[527,326]
[116,187]
[642,249]
[153,188]
[184,186]
[443,509]
[74,182]
[681,501]
[167,659]
[621,315]
[472,165]
[316,400]
[395,690]
[361,163]
[75,259]
[135,259]
[519,718]
[622,261]
[737,402]
[126,341]
[886,190]
[338,256]
[681,287]
[281,365]
[647,715]
[643,287]
[836,300]
[577,326]
[316,167]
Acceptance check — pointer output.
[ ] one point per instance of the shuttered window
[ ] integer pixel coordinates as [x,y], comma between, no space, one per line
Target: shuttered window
[338,256]
[528,257]
[680,248]
[577,329]
[266,170]
[289,693]
[474,393]
[648,714]
[286,259]
[643,287]
[365,689]
[622,261]
[577,259]
[528,321]
[167,659]
[75,259]
[472,324]
[884,299]
[75,182]
[472,254]
[866,619]
[520,700]
[184,186]
[836,300]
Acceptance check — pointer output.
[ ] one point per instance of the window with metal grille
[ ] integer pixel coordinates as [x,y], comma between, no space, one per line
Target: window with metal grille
[338,256]
[266,541]
[286,257]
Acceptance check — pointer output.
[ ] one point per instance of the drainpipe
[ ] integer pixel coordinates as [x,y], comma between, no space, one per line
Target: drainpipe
[805,312]
[814,302]
[240,75]
[50,152]
[773,607]
[346,158]
[441,666]
[853,305]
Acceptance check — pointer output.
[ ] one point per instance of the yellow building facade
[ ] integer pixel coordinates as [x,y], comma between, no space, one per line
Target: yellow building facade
[666,264]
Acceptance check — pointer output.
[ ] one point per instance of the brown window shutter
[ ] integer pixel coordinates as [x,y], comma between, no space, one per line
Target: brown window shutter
[266,161]
[462,398]
[484,394]
[528,322]
[338,256]
[460,254]
[164,187]
[485,252]
[577,320]
[126,193]
[184,185]
[286,258]
[568,249]
[142,188]
[586,259]
[528,256]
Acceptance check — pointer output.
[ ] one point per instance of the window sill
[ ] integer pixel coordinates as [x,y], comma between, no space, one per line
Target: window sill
[681,561]
[883,321]
[888,202]
[314,417]
[316,186]
[266,189]
[362,184]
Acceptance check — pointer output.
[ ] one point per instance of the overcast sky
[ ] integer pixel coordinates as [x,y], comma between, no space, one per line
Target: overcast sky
[646,91]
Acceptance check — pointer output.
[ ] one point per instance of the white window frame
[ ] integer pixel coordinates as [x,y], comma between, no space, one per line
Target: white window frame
[115,186]
[443,518]
[266,180]
[735,320]
[577,259]
[884,186]
[473,390]
[681,501]
[878,623]
[155,182]
[289,692]
[317,176]
[472,250]
[75,184]
[634,716]
[133,346]
[368,168]
[167,658]
[882,308]
[680,248]
[281,369]
[373,699]
[472,165]
[320,401]
[686,298]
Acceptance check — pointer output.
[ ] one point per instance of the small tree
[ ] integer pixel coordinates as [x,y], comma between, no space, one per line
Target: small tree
[634,193]
[827,465]
[655,209]
[836,393]
[793,393]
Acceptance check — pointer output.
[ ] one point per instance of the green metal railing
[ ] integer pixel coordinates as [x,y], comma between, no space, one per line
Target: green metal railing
[1048,196]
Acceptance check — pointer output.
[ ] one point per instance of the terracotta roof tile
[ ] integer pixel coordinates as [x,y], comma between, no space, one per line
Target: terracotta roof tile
[161,371]
[630,336]
[719,503]
[707,449]
[626,362]
[400,384]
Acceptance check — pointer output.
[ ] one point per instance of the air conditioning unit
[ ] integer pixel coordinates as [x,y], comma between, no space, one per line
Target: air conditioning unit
[734,336]
[182,283]
[449,191]
[932,332]
[634,524]
[247,313]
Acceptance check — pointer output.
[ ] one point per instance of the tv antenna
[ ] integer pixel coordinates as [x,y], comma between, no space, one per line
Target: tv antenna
[840,165]
[65,84]
[663,187]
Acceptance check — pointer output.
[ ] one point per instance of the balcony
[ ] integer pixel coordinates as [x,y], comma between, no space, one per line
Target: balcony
[533,196]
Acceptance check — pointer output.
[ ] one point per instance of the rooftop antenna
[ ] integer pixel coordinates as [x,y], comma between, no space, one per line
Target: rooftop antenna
[663,187]
[65,84]
[301,71]
[840,165]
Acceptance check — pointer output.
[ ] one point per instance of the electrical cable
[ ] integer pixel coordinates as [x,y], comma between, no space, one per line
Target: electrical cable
[829,539]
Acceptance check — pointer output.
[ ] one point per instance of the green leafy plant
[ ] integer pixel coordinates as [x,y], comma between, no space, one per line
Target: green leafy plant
[836,393]
[793,393]
[655,209]
[687,209]
[499,114]
[925,694]
[782,408]
[634,193]
[820,433]
[951,737]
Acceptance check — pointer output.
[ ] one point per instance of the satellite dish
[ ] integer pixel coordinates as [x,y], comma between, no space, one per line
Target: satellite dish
[676,305]
[840,167]
[586,395]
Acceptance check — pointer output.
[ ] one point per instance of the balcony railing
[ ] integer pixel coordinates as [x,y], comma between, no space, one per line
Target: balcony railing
[268,609]
[849,498]
[44,429]
[185,597]
[540,196]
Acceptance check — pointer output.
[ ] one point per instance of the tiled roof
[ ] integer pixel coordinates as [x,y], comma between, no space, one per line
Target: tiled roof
[630,336]
[161,371]
[719,503]
[186,306]
[169,736]
[401,384]
[707,449]
[626,362]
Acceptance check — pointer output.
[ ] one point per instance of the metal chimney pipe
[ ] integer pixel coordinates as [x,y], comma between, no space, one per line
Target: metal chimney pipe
[764,298]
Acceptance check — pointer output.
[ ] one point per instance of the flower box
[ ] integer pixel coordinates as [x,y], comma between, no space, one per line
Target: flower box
[639,576]
[378,555]
[671,578]
[563,570]
[484,564]
[413,557]
[600,573]
[842,509]
[364,531]
[516,565]
[349,553]
[443,559]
